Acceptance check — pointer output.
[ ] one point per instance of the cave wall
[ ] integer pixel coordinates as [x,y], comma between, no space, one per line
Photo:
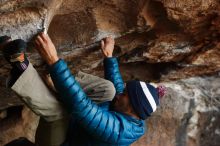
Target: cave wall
[171,42]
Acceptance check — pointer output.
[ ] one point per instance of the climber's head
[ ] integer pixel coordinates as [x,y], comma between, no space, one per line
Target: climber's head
[139,99]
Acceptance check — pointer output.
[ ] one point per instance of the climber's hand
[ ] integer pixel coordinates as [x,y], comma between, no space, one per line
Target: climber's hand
[46,48]
[107,46]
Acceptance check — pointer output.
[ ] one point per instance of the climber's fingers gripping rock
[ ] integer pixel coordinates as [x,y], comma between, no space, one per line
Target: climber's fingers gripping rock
[107,46]
[46,48]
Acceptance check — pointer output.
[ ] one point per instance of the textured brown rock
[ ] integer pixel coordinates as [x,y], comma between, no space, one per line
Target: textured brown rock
[21,122]
[157,40]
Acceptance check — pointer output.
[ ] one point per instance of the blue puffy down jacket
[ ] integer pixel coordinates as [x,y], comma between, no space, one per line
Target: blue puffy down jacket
[93,124]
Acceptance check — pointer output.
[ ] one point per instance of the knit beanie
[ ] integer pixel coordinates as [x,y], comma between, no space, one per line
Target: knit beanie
[144,97]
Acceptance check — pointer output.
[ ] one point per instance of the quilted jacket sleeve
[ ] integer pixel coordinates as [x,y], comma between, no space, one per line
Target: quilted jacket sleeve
[103,125]
[113,74]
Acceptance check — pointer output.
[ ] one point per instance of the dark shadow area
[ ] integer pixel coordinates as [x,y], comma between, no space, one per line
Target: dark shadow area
[14,114]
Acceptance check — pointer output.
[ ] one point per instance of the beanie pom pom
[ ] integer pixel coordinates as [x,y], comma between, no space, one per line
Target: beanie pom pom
[161,90]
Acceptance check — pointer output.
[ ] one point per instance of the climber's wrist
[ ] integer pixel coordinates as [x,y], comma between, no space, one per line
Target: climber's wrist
[108,56]
[52,60]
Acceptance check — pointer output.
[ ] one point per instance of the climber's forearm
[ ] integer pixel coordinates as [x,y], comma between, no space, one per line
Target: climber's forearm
[112,73]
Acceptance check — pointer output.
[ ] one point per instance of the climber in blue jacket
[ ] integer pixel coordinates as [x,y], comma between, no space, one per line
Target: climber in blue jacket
[118,122]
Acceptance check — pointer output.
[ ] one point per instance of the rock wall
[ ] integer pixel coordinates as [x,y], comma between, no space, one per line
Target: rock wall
[171,42]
